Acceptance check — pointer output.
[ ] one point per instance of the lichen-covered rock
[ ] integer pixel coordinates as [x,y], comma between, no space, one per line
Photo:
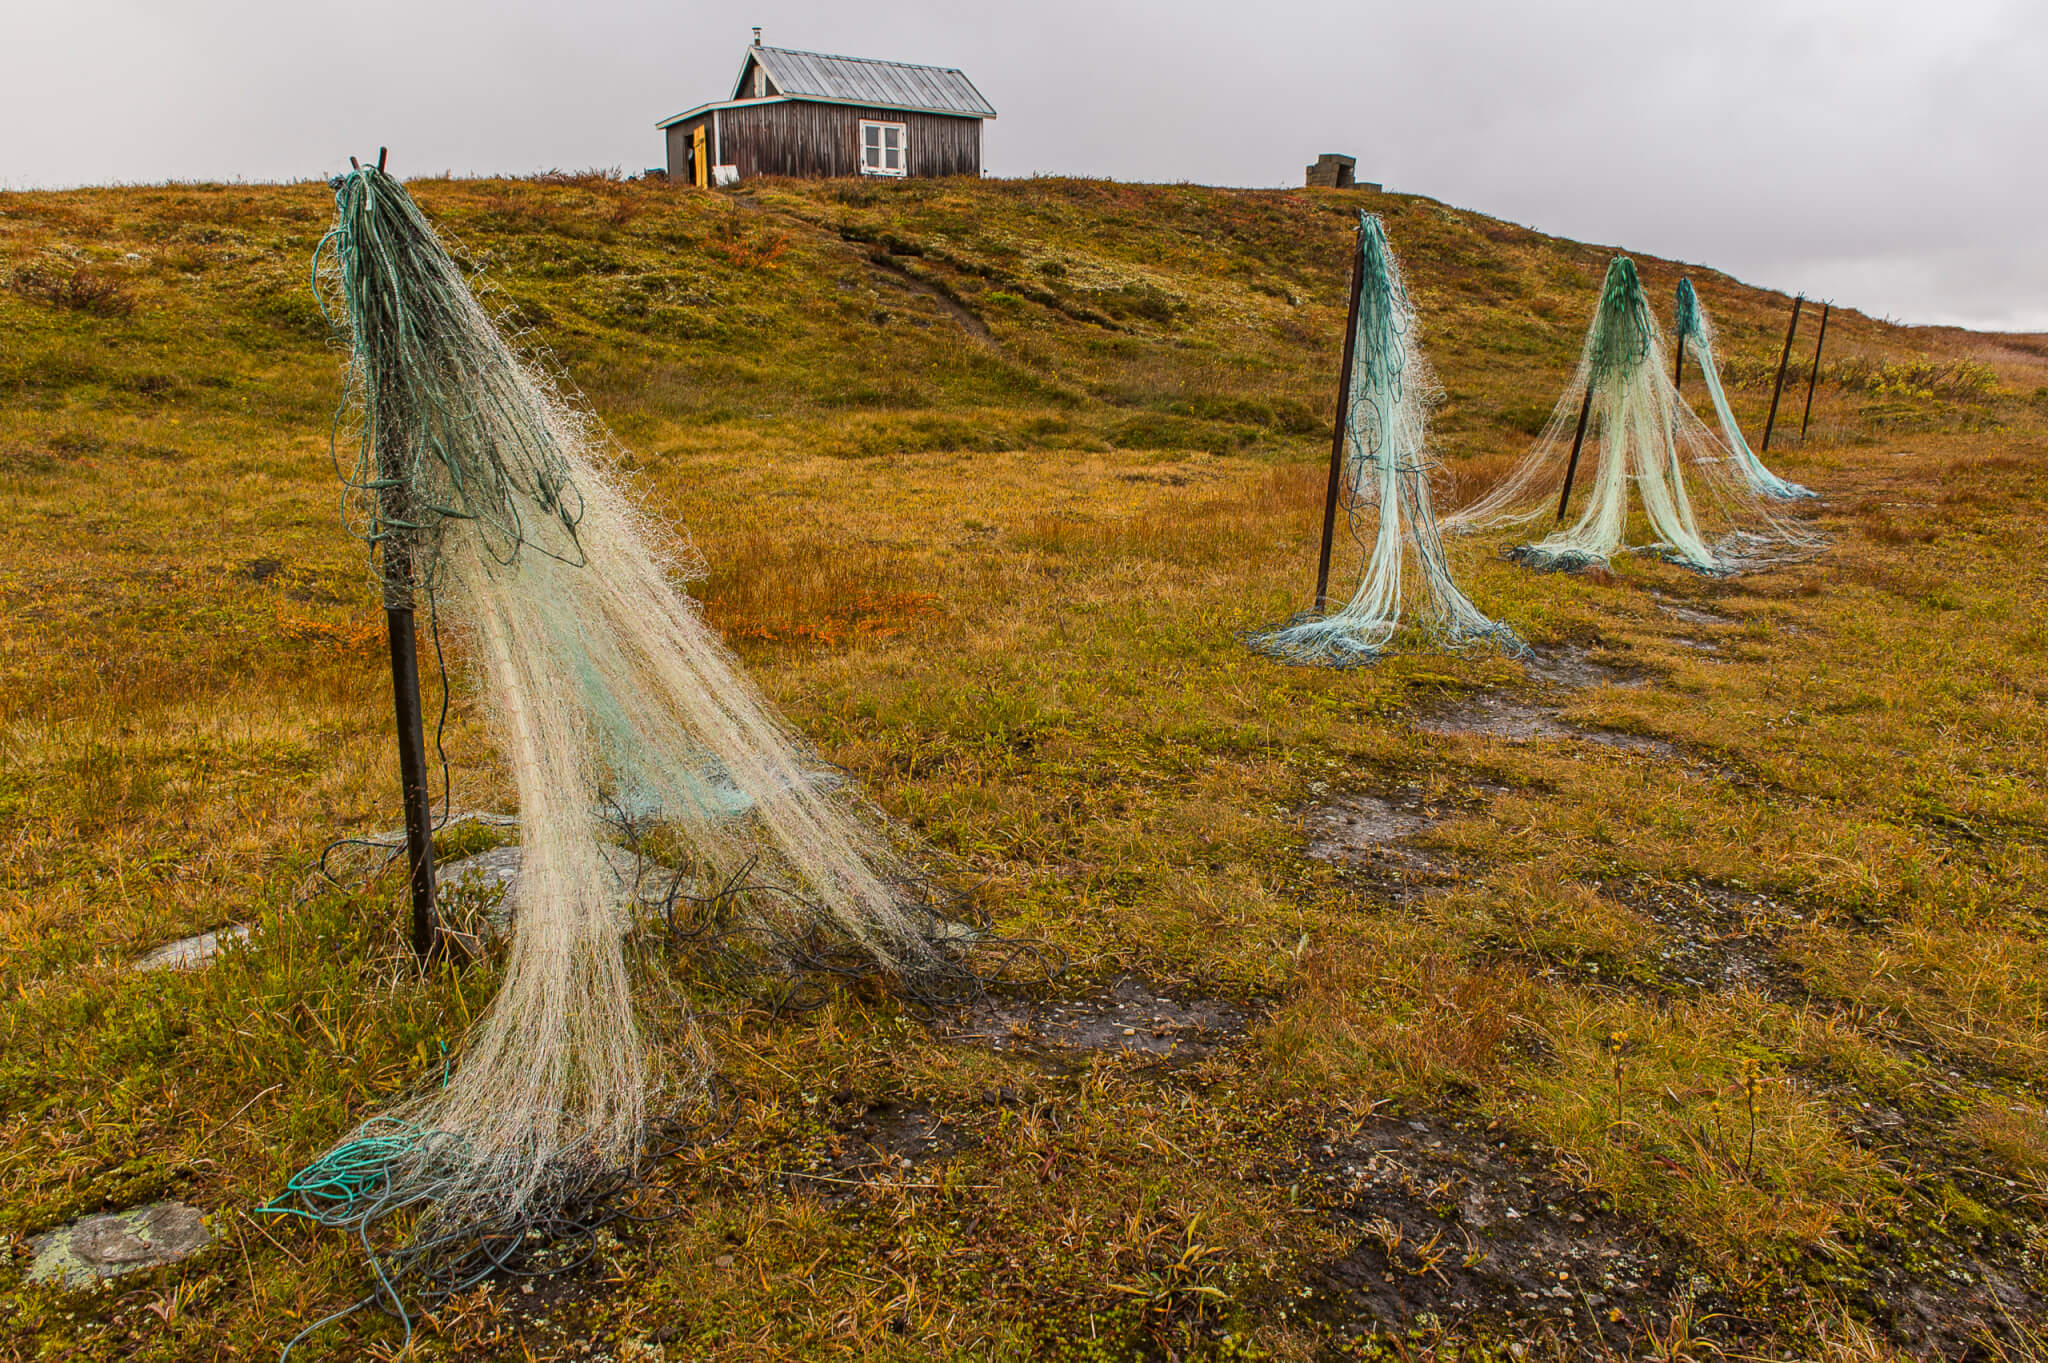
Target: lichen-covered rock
[114,1243]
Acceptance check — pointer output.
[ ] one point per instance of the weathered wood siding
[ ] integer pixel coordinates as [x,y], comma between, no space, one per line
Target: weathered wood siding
[795,137]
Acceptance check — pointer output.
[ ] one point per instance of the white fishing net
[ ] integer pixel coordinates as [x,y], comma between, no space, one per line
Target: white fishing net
[1695,331]
[1385,489]
[607,692]
[1646,474]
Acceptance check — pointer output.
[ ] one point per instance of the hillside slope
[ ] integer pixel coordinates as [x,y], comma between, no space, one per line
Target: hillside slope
[1177,317]
[1682,990]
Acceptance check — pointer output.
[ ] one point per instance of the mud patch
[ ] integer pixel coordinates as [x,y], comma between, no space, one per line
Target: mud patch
[1494,715]
[107,1246]
[1129,1016]
[1366,835]
[1455,1230]
[1718,938]
[1353,827]
[1692,615]
[190,953]
[1572,666]
[884,1142]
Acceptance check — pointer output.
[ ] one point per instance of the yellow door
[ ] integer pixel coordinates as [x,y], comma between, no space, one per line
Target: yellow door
[700,163]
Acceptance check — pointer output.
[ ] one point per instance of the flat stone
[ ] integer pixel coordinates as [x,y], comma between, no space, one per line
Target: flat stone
[108,1245]
[1367,835]
[189,953]
[499,867]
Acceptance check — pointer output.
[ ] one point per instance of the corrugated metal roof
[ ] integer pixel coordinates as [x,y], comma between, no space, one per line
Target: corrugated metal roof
[860,80]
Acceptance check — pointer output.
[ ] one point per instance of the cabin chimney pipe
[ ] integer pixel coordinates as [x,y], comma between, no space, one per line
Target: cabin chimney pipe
[757,35]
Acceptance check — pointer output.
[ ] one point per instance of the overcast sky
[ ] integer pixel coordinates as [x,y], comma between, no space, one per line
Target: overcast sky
[1887,154]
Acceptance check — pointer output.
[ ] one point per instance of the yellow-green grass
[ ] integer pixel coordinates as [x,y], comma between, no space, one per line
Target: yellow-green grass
[987,477]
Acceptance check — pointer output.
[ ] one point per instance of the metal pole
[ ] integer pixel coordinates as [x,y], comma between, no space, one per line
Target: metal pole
[1571,470]
[1784,358]
[1678,369]
[398,574]
[1343,420]
[1813,379]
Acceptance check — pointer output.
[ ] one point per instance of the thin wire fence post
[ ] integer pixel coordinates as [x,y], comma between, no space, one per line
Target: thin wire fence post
[1784,358]
[1813,379]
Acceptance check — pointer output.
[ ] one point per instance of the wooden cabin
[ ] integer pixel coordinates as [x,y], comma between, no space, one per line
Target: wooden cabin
[812,114]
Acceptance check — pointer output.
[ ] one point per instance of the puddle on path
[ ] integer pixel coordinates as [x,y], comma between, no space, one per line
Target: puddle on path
[114,1243]
[189,953]
[1495,715]
[1454,1230]
[1129,1016]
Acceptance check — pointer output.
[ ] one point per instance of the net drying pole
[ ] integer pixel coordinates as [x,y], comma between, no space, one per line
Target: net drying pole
[1678,366]
[1342,423]
[1813,379]
[1571,470]
[1784,358]
[399,624]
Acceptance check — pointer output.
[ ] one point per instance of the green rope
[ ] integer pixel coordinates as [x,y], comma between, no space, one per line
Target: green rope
[333,1189]
[448,431]
[1624,326]
[1685,315]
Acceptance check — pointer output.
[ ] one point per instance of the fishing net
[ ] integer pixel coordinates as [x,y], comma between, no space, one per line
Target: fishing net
[1649,477]
[1385,489]
[621,715]
[1695,332]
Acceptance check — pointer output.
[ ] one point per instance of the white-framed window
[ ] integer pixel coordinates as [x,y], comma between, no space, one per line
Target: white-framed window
[884,148]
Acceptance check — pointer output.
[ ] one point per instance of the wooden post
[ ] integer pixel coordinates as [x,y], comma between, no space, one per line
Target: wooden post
[1784,358]
[412,749]
[1571,470]
[396,550]
[1342,422]
[1813,379]
[1678,369]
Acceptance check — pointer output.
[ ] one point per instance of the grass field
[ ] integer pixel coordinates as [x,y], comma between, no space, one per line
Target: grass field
[1725,1036]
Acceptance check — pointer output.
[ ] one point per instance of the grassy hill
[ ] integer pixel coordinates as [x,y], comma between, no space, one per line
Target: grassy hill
[1742,1018]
